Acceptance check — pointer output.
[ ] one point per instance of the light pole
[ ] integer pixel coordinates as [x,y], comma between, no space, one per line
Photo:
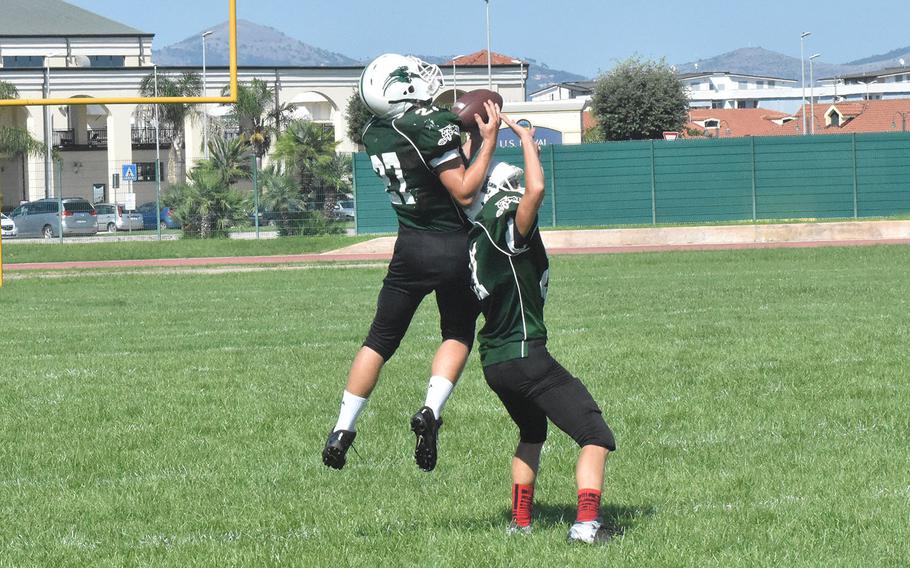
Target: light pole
[455,79]
[802,61]
[524,87]
[157,164]
[489,50]
[903,116]
[812,90]
[866,84]
[205,114]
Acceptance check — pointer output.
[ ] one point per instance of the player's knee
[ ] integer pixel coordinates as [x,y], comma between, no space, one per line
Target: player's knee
[384,346]
[601,436]
[466,341]
[533,435]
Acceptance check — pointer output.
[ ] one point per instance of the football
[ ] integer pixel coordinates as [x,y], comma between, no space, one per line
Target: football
[471,103]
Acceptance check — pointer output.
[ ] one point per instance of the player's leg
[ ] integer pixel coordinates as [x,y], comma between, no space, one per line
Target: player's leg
[510,385]
[394,311]
[570,406]
[458,311]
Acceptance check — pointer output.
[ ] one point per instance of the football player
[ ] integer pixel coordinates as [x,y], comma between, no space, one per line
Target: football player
[510,276]
[416,149]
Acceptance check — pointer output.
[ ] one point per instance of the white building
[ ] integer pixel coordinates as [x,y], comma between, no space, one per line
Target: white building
[87,55]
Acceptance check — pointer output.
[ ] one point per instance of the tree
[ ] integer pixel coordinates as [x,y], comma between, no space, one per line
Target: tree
[205,205]
[307,150]
[639,100]
[17,141]
[358,115]
[336,179]
[258,115]
[186,84]
[230,158]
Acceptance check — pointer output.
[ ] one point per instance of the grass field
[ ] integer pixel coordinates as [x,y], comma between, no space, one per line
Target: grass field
[759,398]
[18,252]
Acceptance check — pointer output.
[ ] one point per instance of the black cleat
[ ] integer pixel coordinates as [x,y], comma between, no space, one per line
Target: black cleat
[336,448]
[426,427]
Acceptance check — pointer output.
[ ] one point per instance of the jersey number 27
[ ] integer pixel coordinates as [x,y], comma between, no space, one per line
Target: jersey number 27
[388,167]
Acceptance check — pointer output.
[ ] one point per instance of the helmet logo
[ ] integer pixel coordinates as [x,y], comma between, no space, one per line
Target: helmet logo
[400,75]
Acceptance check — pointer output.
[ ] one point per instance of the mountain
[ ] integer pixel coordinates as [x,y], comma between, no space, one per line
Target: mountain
[890,59]
[540,75]
[759,61]
[256,45]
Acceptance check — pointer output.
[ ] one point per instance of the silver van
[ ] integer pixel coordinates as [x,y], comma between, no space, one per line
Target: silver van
[112,218]
[42,218]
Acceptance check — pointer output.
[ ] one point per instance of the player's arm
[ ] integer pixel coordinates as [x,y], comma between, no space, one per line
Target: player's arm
[464,183]
[529,205]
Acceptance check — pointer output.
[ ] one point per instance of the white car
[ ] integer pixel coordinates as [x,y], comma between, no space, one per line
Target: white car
[112,218]
[7,227]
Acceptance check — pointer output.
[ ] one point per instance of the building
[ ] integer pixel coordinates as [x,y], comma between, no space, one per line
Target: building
[50,48]
[564,91]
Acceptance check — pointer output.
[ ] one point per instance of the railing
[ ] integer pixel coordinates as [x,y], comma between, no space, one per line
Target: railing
[64,138]
[146,136]
[97,138]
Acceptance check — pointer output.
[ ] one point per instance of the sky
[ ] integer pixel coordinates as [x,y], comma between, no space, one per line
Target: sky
[581,36]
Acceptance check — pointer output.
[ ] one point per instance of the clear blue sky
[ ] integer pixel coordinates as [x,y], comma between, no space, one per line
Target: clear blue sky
[583,36]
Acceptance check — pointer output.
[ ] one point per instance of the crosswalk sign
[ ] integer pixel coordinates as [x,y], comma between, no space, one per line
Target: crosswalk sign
[130,172]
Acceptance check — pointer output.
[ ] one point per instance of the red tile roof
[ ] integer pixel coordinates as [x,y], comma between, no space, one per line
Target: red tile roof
[888,115]
[740,122]
[480,58]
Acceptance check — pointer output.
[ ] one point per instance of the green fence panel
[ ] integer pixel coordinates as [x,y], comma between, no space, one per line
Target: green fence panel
[798,177]
[703,180]
[602,184]
[883,174]
[619,183]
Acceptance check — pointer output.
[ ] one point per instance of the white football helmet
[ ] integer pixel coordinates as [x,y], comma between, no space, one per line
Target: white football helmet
[502,177]
[391,83]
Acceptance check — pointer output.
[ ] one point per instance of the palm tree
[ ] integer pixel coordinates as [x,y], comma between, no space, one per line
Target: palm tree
[336,177]
[307,149]
[17,141]
[186,84]
[231,158]
[205,205]
[258,115]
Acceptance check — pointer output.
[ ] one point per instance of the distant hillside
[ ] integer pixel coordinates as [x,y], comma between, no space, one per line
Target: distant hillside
[759,61]
[257,45]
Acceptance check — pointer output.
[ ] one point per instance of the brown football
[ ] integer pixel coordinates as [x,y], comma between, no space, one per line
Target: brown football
[471,103]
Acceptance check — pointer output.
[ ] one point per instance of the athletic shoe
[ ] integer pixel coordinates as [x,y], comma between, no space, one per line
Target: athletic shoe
[426,427]
[516,529]
[336,448]
[590,532]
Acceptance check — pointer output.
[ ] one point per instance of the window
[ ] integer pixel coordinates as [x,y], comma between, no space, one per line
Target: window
[23,61]
[743,84]
[834,118]
[771,84]
[712,123]
[107,60]
[145,171]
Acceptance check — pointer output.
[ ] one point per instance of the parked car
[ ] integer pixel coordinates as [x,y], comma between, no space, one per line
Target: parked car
[41,218]
[7,227]
[164,218]
[343,210]
[112,218]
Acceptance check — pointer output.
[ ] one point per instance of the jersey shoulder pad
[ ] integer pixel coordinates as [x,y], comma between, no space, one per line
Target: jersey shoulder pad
[435,133]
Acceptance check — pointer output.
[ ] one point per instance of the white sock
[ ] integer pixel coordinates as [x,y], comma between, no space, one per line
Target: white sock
[351,407]
[438,392]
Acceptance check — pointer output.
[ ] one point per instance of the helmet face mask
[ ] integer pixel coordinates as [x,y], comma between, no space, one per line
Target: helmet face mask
[502,177]
[392,83]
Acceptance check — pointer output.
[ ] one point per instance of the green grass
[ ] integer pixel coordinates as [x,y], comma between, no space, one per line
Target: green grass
[184,248]
[759,400]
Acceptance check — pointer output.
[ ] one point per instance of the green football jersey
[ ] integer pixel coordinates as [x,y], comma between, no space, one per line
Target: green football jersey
[405,151]
[510,275]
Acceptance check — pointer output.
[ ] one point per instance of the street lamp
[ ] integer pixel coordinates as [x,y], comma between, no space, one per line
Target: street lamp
[903,116]
[812,90]
[455,79]
[489,50]
[802,60]
[205,115]
[866,84]
[524,87]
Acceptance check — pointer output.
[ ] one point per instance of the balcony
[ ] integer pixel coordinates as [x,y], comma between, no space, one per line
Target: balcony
[145,137]
[95,139]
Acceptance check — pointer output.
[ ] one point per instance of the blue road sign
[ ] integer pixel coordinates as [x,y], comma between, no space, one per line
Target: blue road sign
[130,172]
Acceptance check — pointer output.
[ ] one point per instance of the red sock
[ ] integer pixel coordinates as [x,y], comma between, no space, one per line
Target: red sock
[522,502]
[588,505]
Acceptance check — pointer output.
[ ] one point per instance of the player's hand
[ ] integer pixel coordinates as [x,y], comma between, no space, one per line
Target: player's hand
[520,131]
[489,130]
